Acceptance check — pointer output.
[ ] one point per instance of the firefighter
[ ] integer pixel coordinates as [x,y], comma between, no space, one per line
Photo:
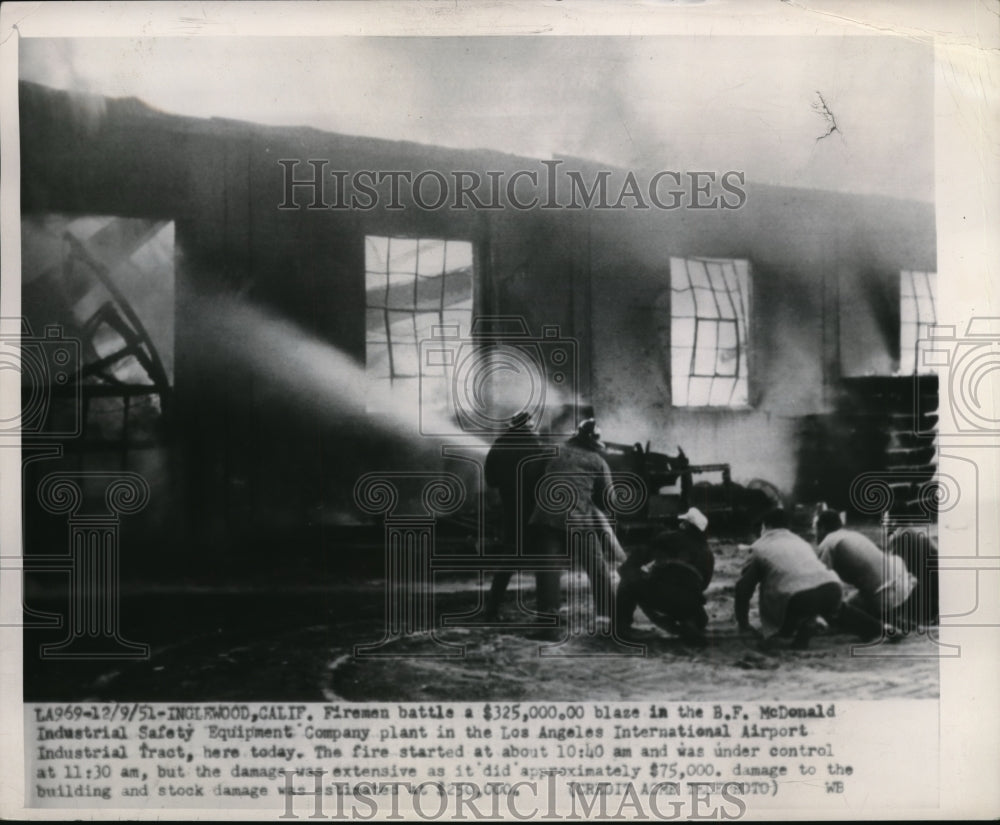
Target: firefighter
[882,581]
[513,467]
[668,579]
[795,587]
[580,465]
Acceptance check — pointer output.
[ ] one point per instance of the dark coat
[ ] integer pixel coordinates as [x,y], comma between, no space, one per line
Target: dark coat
[686,546]
[511,471]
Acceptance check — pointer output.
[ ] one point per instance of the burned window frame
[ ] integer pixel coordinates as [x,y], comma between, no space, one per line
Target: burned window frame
[742,317]
[110,409]
[413,309]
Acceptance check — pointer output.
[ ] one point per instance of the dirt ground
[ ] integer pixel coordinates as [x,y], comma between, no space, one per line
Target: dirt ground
[297,643]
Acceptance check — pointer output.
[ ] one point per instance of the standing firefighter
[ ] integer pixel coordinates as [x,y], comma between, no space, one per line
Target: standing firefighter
[668,579]
[513,467]
[580,466]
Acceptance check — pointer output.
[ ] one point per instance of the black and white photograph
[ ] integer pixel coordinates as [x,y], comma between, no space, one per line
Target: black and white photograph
[496,363]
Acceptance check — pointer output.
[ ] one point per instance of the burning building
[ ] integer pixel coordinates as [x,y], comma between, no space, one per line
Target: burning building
[253,304]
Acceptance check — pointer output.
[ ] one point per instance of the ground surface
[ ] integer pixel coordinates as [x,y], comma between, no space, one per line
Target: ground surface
[288,641]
